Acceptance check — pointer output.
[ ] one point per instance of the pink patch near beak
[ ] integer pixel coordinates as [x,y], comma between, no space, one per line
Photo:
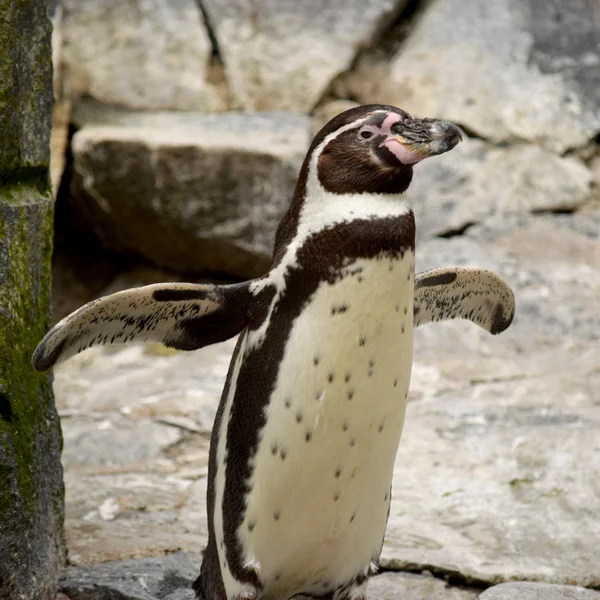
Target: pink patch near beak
[402,152]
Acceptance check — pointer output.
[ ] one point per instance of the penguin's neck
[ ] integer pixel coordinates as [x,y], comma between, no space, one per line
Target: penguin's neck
[322,209]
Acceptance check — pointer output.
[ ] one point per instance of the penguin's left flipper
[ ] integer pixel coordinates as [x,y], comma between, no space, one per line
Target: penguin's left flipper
[184,316]
[477,295]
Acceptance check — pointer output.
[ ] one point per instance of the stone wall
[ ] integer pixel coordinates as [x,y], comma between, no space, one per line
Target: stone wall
[521,78]
[32,550]
[188,122]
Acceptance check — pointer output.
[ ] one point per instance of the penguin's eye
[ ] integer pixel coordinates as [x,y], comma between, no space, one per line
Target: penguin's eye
[365,134]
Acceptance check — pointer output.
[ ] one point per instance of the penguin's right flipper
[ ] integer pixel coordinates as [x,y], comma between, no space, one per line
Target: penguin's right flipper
[477,295]
[184,316]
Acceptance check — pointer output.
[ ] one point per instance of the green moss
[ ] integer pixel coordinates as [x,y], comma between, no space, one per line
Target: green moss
[13,181]
[25,84]
[26,247]
[520,481]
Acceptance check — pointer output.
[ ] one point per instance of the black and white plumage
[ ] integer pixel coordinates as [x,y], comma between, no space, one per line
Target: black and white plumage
[309,423]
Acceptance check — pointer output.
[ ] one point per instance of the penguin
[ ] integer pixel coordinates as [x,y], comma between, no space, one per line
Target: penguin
[306,433]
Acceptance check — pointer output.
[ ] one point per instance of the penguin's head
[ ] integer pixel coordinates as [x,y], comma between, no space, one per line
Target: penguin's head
[373,149]
[365,151]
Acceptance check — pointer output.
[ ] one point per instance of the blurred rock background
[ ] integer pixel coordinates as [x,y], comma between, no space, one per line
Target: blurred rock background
[179,129]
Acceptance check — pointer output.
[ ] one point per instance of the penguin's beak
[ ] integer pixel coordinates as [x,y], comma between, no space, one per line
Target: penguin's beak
[417,139]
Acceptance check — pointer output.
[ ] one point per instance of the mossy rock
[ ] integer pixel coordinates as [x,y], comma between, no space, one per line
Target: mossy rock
[32,549]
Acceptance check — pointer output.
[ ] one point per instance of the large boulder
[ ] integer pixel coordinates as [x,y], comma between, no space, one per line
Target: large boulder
[154,54]
[493,478]
[283,54]
[188,191]
[476,182]
[505,69]
[32,550]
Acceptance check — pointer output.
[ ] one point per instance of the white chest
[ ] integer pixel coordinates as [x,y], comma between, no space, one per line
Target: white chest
[318,508]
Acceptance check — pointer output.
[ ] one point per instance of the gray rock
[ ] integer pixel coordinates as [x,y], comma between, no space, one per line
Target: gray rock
[188,191]
[489,480]
[146,55]
[474,183]
[167,577]
[538,591]
[27,104]
[182,595]
[282,54]
[32,548]
[122,502]
[493,477]
[115,441]
[505,69]
[551,261]
[556,270]
[406,586]
[166,384]
[170,578]
[491,464]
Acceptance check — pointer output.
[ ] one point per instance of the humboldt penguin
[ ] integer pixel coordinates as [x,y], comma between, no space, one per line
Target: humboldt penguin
[306,433]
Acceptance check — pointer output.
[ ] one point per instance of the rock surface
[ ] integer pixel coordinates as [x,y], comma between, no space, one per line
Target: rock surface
[282,54]
[166,578]
[146,55]
[32,549]
[212,202]
[188,191]
[476,182]
[505,69]
[492,479]
[170,578]
[538,591]
[407,586]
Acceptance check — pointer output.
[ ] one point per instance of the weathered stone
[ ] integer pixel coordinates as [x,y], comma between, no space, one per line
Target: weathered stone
[182,595]
[538,591]
[168,577]
[187,191]
[488,483]
[146,55]
[550,257]
[492,480]
[25,74]
[147,503]
[32,550]
[406,586]
[186,384]
[505,69]
[115,441]
[282,54]
[475,182]
[146,509]
[490,466]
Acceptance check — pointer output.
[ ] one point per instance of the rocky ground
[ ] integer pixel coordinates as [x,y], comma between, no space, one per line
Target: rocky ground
[496,477]
[496,491]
